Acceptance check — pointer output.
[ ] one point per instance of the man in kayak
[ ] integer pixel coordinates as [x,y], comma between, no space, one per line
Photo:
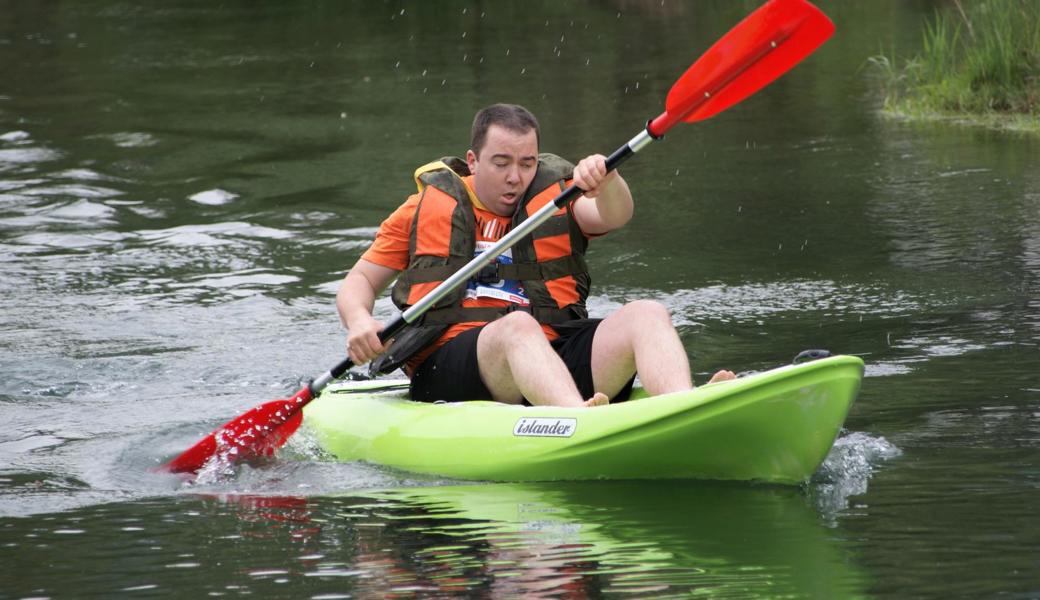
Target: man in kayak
[519,331]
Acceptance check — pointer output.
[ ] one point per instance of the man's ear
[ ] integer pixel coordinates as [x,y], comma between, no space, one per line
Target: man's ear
[471,161]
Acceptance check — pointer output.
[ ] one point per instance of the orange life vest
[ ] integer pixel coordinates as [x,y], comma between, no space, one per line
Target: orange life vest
[549,263]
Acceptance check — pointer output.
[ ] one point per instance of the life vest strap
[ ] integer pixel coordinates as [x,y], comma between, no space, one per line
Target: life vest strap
[572,264]
[556,225]
[458,314]
[432,273]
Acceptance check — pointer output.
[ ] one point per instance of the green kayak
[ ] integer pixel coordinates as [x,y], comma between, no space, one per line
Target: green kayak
[774,426]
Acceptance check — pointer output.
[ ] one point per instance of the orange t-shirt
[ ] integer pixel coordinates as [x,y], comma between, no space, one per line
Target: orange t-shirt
[390,249]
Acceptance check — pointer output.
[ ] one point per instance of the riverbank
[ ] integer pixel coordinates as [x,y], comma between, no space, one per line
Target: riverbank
[979,64]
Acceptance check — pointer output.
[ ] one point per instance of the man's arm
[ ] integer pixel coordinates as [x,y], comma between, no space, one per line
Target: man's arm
[606,203]
[354,301]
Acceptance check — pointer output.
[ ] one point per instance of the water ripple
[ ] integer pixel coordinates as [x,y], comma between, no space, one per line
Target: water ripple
[72,190]
[212,234]
[13,158]
[241,282]
[15,136]
[216,197]
[754,302]
[131,139]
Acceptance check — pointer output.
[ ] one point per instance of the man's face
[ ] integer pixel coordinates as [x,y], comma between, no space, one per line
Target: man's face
[505,167]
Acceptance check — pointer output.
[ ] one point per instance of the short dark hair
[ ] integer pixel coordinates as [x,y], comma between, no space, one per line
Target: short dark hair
[511,116]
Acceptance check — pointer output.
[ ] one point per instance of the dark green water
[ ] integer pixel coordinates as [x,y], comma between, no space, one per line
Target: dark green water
[182,186]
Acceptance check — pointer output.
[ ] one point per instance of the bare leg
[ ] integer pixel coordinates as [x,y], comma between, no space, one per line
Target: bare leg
[640,337]
[516,362]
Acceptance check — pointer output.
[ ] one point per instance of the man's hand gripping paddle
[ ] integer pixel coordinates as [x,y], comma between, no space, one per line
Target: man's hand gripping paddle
[762,47]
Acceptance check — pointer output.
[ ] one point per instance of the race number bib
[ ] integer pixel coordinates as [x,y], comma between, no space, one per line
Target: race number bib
[509,290]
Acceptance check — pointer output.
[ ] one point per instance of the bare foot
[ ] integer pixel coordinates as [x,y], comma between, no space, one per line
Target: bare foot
[598,399]
[722,376]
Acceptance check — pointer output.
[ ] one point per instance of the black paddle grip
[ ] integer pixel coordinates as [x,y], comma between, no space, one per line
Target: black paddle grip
[572,192]
[392,329]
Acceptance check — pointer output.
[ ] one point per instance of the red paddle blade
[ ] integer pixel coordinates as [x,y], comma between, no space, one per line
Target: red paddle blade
[762,47]
[258,432]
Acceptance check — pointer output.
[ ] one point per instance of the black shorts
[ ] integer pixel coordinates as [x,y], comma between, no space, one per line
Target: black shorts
[452,373]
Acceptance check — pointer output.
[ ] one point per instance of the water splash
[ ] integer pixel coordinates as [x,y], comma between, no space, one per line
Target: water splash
[847,470]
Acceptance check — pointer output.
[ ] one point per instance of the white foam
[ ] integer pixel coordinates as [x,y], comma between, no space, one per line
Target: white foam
[214,197]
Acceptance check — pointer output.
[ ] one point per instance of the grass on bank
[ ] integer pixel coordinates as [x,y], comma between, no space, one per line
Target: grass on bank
[980,62]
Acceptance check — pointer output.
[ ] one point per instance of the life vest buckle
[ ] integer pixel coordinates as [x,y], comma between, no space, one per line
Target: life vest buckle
[488,274]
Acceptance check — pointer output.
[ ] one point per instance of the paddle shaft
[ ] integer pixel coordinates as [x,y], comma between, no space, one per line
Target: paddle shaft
[415,312]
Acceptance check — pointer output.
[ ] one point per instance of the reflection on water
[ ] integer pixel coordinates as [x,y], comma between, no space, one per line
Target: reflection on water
[561,540]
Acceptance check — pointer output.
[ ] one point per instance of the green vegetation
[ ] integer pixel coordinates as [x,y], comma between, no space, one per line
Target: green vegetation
[980,62]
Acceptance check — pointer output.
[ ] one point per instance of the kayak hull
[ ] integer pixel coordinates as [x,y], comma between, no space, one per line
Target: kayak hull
[776,426]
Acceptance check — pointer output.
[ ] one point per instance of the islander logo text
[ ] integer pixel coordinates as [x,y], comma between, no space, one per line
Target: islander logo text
[543,427]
